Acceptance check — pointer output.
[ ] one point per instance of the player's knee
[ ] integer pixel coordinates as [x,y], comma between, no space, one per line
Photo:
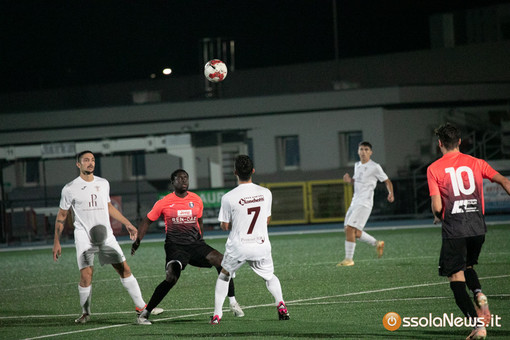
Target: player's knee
[123,269]
[215,258]
[173,271]
[224,277]
[86,276]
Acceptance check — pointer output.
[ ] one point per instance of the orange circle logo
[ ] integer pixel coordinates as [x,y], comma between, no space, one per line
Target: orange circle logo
[391,321]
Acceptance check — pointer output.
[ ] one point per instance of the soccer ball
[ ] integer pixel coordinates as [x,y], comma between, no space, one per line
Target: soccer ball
[98,234]
[215,70]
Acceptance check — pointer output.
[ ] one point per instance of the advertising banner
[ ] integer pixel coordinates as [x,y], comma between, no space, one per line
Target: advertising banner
[496,199]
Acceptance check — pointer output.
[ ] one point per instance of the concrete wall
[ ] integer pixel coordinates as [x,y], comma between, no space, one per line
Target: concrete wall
[397,121]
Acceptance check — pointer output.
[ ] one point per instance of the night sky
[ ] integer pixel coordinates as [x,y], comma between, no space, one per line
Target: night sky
[50,44]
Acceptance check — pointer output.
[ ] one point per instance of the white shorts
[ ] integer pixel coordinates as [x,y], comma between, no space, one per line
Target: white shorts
[357,216]
[109,252]
[262,267]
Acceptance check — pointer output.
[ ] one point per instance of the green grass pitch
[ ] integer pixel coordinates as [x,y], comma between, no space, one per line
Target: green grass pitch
[39,298]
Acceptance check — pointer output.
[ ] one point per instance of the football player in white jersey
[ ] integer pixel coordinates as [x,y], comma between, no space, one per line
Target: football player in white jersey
[89,198]
[246,211]
[366,174]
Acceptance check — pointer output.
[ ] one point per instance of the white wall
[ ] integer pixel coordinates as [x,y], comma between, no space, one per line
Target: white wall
[112,168]
[60,171]
[160,165]
[317,118]
[406,130]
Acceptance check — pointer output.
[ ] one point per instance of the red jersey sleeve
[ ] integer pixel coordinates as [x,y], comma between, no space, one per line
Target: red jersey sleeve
[155,212]
[432,182]
[201,210]
[487,171]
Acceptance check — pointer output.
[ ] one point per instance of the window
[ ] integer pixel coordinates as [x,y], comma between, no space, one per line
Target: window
[249,143]
[136,162]
[32,172]
[97,168]
[288,152]
[349,147]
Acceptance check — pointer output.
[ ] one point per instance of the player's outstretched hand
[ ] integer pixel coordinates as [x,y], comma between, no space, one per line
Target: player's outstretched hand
[135,246]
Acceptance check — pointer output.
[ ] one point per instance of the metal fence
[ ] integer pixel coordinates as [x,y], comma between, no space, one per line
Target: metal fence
[32,220]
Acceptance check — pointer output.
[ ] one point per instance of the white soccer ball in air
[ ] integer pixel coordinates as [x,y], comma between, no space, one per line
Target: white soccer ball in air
[215,70]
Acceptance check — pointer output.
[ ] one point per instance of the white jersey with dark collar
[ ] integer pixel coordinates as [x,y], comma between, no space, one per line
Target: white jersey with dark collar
[365,180]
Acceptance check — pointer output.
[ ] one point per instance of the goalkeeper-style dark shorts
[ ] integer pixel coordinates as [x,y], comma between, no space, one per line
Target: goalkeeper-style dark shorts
[459,253]
[193,254]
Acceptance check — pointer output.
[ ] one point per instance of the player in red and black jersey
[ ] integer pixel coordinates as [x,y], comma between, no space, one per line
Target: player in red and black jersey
[182,213]
[456,189]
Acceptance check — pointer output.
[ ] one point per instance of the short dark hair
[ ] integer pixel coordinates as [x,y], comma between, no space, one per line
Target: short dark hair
[365,143]
[449,135]
[80,155]
[174,174]
[243,167]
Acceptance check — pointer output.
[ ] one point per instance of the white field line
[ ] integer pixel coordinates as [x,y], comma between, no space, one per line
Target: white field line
[291,302]
[276,266]
[161,238]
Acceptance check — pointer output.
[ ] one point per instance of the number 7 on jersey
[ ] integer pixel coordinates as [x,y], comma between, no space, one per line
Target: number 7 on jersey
[256,211]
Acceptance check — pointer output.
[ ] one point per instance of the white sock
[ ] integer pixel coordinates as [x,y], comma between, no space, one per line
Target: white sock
[275,288]
[366,237]
[85,298]
[131,285]
[349,249]
[232,299]
[220,293]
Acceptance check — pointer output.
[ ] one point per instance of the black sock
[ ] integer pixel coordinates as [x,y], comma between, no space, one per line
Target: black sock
[159,293]
[462,299]
[472,281]
[231,288]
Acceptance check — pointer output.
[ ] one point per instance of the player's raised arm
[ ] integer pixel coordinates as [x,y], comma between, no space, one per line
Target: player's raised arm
[503,181]
[59,227]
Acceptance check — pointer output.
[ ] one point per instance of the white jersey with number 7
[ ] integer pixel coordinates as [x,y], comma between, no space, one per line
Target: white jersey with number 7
[247,208]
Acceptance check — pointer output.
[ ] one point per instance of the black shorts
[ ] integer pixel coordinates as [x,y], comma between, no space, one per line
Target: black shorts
[459,253]
[194,254]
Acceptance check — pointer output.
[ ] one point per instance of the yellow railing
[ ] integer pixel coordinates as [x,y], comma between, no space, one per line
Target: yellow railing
[309,202]
[289,203]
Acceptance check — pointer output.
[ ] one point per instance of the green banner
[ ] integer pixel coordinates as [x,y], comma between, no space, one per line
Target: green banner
[211,197]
